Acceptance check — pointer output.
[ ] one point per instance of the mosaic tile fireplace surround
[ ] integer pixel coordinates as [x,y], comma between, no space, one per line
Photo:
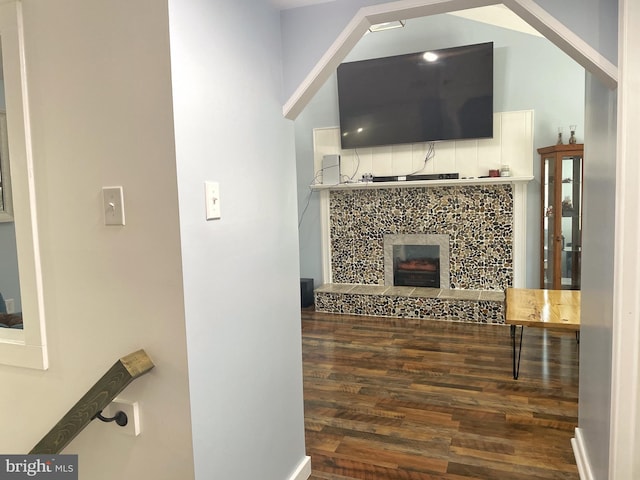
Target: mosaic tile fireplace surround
[476,219]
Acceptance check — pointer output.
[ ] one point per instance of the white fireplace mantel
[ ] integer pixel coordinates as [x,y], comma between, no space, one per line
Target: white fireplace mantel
[425,183]
[519,215]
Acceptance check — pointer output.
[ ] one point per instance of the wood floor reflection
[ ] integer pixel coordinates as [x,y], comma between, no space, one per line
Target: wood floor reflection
[390,399]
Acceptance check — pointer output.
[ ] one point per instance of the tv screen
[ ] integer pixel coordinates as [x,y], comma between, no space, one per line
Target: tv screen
[444,94]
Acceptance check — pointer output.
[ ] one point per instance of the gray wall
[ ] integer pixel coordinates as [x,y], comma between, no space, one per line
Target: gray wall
[597,275]
[308,32]
[557,97]
[240,273]
[598,248]
[595,21]
[159,97]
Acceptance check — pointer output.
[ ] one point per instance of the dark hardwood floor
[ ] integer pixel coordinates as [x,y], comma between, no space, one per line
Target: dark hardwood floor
[390,399]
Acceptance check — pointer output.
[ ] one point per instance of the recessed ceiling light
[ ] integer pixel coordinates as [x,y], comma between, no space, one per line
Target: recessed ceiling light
[430,56]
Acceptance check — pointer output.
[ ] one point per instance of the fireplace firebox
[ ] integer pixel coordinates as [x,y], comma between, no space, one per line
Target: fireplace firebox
[416,265]
[417,260]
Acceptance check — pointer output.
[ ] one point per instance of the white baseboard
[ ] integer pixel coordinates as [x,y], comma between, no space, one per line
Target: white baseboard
[303,471]
[582,459]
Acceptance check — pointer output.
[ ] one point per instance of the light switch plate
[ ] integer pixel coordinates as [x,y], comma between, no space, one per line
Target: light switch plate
[212,200]
[113,205]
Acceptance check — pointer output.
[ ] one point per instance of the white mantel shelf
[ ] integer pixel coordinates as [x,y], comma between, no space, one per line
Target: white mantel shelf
[425,183]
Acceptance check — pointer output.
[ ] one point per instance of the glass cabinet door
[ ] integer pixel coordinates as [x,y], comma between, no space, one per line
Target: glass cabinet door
[548,222]
[571,222]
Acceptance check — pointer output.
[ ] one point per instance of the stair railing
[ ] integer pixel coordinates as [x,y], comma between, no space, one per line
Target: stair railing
[121,374]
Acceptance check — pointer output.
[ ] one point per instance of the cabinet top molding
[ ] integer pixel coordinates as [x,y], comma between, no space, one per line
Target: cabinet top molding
[563,147]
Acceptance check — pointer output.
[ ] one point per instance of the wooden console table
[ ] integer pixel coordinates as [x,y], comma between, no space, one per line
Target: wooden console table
[554,309]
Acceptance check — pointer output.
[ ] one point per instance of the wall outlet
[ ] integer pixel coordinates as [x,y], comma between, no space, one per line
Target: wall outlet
[132,427]
[10,305]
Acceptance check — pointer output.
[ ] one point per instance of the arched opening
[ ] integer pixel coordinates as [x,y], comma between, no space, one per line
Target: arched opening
[538,18]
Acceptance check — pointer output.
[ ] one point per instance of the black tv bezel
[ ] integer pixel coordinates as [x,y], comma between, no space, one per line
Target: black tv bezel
[476,51]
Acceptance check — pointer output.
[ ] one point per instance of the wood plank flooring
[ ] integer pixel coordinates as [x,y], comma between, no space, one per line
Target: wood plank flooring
[389,399]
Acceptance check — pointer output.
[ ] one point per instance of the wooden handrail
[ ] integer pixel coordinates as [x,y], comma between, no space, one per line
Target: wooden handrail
[121,374]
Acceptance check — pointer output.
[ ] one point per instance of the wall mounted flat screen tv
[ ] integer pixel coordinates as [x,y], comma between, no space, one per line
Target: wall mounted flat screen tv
[444,94]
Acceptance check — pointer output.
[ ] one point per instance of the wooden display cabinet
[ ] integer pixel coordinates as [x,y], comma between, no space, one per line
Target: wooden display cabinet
[561,215]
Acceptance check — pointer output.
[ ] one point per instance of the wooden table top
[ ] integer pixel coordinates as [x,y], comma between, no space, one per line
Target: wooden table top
[543,308]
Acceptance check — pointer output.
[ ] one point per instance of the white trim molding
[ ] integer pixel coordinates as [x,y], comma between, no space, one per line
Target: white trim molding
[23,348]
[582,459]
[303,471]
[625,375]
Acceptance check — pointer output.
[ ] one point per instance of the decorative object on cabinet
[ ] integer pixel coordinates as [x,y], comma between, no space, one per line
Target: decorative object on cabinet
[561,207]
[572,138]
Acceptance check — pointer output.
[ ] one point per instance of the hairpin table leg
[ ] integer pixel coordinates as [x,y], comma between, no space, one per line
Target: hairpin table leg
[516,365]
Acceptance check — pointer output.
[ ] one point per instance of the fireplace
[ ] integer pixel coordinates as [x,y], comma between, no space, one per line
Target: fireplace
[417,260]
[473,224]
[416,266]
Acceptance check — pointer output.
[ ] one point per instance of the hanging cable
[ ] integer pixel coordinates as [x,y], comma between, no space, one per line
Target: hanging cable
[313,182]
[431,152]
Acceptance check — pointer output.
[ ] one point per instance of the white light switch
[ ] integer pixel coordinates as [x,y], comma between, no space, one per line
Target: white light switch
[212,200]
[113,204]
